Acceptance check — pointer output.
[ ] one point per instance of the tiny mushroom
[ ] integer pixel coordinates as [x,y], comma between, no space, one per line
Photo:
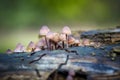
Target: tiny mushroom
[23,48]
[43,32]
[37,49]
[53,38]
[71,40]
[18,48]
[66,30]
[31,47]
[9,51]
[50,36]
[41,43]
[77,42]
[63,39]
[56,39]
[86,42]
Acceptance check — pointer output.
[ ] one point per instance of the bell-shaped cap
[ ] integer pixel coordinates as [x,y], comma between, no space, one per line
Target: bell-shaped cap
[41,43]
[44,30]
[86,42]
[23,48]
[50,35]
[56,37]
[77,41]
[18,48]
[37,49]
[31,45]
[66,30]
[71,40]
[62,37]
[9,51]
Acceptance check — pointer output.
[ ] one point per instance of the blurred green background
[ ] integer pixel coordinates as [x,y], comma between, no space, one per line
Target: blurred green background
[20,20]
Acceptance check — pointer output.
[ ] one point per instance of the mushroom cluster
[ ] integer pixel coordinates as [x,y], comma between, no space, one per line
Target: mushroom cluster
[51,41]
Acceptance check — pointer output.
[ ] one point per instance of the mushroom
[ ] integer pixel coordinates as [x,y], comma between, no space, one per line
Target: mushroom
[86,42]
[66,30]
[37,49]
[50,36]
[63,39]
[77,42]
[41,44]
[23,48]
[9,51]
[71,40]
[18,48]
[53,38]
[56,39]
[43,32]
[31,47]
[71,73]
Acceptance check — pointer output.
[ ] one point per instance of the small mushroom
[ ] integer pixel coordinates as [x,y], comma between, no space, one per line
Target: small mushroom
[31,47]
[37,49]
[86,42]
[53,38]
[50,36]
[66,30]
[63,39]
[18,48]
[56,39]
[41,43]
[23,48]
[43,32]
[71,40]
[9,51]
[77,42]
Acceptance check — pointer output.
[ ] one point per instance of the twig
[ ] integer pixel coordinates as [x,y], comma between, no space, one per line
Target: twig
[37,72]
[37,59]
[55,77]
[63,63]
[72,51]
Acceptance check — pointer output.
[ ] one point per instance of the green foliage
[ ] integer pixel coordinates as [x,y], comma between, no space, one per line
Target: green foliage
[17,13]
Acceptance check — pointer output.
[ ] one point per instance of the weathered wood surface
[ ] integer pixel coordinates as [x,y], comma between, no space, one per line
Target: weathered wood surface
[103,36]
[19,65]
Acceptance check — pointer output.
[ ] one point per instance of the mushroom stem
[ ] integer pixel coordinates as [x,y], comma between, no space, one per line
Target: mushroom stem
[50,48]
[67,40]
[46,42]
[55,46]
[63,44]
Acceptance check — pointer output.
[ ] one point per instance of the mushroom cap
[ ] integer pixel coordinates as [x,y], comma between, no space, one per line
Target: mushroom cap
[66,30]
[86,42]
[41,43]
[71,40]
[31,45]
[50,35]
[23,48]
[77,41]
[37,49]
[56,37]
[18,48]
[44,30]
[62,37]
[53,36]
[9,51]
